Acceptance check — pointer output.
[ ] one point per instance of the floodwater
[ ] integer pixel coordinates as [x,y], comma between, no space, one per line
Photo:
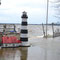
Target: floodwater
[40,49]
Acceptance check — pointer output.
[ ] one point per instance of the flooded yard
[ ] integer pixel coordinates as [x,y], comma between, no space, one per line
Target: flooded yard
[40,48]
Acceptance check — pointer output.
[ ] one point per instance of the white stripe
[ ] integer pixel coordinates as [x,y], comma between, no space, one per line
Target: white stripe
[24,27]
[9,45]
[24,43]
[24,20]
[24,35]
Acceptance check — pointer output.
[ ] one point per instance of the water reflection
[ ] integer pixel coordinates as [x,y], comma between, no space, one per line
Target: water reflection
[13,53]
[24,52]
[44,50]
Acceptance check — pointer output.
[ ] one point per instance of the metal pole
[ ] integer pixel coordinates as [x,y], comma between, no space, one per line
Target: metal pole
[47,17]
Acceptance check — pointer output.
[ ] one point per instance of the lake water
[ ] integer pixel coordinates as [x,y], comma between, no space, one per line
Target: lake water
[40,49]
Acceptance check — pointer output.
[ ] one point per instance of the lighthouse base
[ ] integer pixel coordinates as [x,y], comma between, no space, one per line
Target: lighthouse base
[25,44]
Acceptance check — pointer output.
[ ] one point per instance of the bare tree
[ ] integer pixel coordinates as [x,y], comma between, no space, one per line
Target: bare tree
[57,8]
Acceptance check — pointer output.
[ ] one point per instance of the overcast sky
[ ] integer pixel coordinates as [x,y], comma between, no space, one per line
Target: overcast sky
[11,11]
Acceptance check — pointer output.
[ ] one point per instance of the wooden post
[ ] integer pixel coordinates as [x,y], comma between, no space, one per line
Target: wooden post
[4,30]
[14,28]
[53,29]
[43,29]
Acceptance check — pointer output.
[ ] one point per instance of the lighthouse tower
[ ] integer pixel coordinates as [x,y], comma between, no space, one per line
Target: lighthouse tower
[24,30]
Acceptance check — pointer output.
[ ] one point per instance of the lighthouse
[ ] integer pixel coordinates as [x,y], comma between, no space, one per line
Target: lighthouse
[24,30]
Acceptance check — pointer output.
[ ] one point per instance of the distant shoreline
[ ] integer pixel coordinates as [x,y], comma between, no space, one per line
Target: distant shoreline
[29,24]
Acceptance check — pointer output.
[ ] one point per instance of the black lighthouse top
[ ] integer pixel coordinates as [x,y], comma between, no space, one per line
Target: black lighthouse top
[24,15]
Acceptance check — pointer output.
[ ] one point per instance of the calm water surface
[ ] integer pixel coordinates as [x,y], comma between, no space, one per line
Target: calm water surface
[41,49]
